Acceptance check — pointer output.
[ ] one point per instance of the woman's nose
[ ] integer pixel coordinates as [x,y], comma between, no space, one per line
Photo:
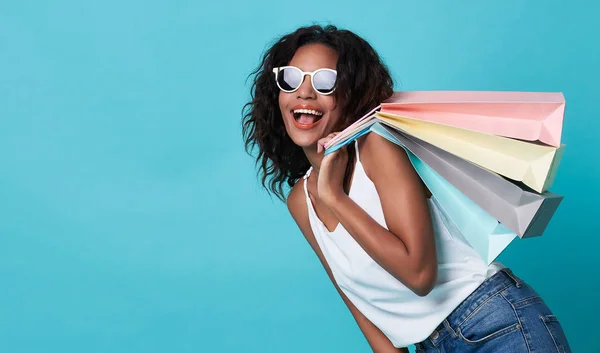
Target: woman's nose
[306,91]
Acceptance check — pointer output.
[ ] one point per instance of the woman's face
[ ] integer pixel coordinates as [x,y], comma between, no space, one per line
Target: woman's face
[305,129]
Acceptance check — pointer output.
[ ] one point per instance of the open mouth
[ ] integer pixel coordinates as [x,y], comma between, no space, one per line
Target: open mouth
[306,118]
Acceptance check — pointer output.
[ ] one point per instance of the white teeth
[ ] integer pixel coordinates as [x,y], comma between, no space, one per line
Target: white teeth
[307,111]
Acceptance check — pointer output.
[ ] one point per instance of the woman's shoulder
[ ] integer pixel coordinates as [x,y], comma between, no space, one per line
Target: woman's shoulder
[298,208]
[388,166]
[295,200]
[379,156]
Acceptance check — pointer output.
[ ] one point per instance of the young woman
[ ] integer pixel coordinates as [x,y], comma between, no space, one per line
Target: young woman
[406,274]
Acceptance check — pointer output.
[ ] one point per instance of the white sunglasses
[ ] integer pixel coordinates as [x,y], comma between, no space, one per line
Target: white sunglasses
[290,78]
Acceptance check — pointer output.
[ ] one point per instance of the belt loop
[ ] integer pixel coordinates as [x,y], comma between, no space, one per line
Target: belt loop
[512,276]
[447,326]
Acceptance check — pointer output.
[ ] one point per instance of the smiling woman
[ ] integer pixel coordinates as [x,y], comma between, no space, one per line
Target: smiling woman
[280,153]
[306,108]
[406,274]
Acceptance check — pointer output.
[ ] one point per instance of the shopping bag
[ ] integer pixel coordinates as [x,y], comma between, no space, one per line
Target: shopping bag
[524,212]
[530,116]
[533,164]
[485,234]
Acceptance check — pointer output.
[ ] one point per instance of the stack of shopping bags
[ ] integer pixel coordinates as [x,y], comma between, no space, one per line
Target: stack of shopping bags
[488,158]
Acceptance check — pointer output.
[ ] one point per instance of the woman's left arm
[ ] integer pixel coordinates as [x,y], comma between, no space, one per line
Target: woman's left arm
[407,250]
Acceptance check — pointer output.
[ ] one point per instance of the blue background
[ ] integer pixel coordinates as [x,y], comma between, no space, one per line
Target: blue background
[131,219]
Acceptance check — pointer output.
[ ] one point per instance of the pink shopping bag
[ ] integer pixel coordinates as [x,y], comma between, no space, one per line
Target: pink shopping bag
[530,116]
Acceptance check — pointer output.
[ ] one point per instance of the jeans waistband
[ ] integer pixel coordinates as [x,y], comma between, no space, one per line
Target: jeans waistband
[490,287]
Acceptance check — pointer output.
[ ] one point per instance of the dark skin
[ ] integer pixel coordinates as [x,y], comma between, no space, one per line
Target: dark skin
[407,248]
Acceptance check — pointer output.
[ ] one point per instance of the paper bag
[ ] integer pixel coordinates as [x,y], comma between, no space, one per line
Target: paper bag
[485,234]
[523,212]
[533,164]
[531,116]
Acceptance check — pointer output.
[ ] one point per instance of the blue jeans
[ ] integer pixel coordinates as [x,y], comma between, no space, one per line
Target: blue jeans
[503,315]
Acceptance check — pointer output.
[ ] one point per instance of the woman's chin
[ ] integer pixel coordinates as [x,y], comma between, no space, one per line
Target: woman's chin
[305,140]
[307,135]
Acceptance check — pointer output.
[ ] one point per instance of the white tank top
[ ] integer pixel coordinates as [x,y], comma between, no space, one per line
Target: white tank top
[404,317]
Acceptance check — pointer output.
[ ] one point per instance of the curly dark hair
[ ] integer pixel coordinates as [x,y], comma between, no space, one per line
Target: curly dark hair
[363,81]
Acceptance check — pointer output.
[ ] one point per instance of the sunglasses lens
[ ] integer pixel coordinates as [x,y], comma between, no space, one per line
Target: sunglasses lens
[324,81]
[289,79]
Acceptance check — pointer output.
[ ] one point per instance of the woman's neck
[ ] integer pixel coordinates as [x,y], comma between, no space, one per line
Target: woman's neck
[314,159]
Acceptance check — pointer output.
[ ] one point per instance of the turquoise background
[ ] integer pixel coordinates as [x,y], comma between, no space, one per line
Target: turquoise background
[131,219]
